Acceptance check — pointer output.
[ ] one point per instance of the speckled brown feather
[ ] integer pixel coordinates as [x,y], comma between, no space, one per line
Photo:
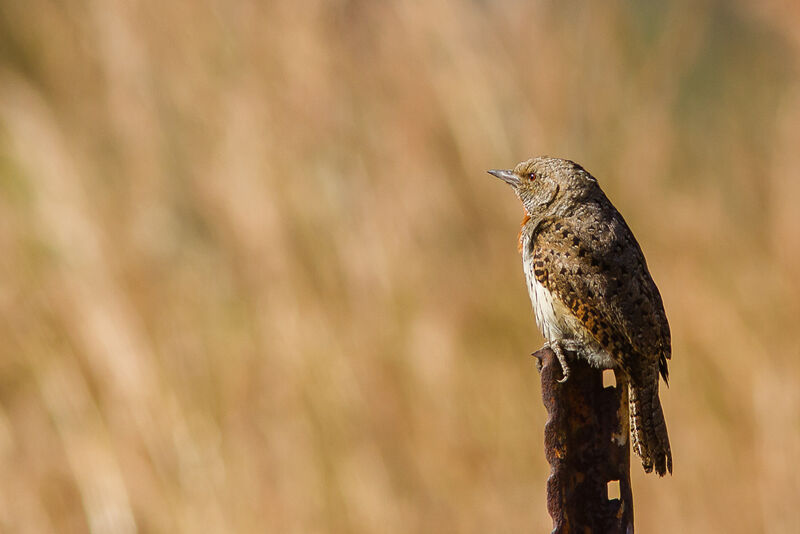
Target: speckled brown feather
[585,255]
[601,276]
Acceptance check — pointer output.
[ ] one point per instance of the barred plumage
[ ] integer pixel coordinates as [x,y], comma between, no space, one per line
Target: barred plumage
[592,292]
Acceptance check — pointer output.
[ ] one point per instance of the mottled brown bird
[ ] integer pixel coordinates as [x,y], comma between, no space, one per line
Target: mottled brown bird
[591,291]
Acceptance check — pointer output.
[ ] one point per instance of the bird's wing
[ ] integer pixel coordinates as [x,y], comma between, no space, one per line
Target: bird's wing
[602,277]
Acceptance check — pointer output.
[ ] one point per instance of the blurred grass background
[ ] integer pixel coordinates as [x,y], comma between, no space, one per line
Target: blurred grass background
[256,279]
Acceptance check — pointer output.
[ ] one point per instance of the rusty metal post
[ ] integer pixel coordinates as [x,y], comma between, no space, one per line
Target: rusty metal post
[586,445]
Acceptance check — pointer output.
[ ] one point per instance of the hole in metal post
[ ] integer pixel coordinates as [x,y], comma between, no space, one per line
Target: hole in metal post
[613,490]
[609,379]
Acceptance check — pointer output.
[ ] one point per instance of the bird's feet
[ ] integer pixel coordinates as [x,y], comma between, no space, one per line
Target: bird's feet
[559,347]
[562,359]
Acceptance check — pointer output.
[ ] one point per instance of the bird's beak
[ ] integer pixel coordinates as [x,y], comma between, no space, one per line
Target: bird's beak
[507,176]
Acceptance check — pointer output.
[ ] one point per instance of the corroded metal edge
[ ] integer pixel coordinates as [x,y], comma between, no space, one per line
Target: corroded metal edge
[586,445]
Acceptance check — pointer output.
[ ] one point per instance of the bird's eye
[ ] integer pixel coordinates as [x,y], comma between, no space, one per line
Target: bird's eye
[531,176]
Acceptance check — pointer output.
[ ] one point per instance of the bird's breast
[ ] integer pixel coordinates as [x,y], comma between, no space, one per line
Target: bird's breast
[544,306]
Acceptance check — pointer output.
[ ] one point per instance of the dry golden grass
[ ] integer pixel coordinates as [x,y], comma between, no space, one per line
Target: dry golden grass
[255,278]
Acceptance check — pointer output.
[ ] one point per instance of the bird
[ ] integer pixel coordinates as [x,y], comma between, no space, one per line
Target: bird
[591,291]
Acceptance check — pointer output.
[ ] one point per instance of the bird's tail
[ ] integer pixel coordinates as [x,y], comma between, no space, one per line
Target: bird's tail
[648,428]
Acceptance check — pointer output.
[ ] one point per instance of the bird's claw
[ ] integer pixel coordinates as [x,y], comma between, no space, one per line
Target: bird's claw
[562,359]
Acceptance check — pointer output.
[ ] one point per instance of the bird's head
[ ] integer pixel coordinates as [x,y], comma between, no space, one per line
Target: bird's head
[541,183]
